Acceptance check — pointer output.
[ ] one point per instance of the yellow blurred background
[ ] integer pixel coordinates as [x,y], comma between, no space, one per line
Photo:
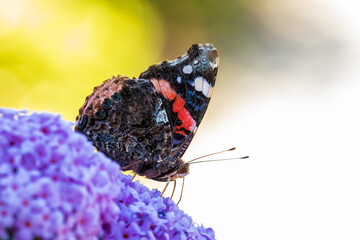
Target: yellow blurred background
[54,52]
[287,94]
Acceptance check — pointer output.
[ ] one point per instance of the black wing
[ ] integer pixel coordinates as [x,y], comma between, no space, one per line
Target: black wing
[186,85]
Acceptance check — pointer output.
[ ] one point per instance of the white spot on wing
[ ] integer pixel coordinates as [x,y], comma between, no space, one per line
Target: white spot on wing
[198,84]
[201,85]
[206,89]
[187,69]
[214,64]
[178,79]
[162,116]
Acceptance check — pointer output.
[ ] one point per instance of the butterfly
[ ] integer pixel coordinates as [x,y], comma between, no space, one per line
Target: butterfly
[146,123]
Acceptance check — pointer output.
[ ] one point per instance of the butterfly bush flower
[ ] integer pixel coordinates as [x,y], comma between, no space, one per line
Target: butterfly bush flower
[54,185]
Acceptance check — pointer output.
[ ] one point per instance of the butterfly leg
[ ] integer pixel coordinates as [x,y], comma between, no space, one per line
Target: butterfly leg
[182,188]
[133,177]
[172,194]
[167,184]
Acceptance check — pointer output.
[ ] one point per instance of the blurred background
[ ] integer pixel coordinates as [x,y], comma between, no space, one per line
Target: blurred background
[287,95]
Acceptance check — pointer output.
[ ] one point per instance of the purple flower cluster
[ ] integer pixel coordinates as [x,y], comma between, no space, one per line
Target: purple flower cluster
[54,185]
[146,215]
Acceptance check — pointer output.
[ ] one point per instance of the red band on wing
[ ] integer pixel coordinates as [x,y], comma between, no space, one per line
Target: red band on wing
[165,89]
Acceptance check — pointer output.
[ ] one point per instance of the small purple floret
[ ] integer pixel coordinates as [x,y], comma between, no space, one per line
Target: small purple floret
[54,185]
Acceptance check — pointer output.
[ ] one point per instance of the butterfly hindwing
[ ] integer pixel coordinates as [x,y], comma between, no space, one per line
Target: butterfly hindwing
[126,120]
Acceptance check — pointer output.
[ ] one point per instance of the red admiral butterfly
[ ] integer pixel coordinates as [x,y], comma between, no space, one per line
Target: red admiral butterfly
[146,124]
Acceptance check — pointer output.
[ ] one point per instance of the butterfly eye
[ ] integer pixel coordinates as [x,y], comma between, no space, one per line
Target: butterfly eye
[204,60]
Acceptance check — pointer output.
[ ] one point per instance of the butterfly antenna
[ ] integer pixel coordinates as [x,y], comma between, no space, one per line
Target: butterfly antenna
[207,155]
[220,160]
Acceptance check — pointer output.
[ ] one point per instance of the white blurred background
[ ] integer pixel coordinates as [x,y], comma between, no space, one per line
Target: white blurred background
[293,107]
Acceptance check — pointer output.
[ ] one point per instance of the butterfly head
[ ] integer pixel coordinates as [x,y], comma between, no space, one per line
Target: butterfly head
[183,170]
[179,169]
